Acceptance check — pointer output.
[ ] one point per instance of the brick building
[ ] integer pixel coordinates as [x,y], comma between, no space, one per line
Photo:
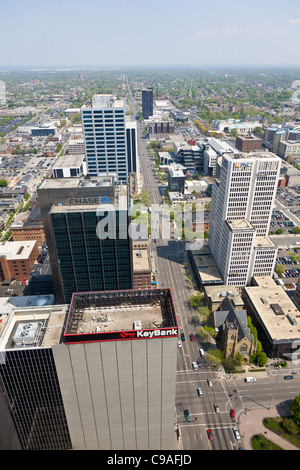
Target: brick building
[17,259]
[141,265]
[248,143]
[31,229]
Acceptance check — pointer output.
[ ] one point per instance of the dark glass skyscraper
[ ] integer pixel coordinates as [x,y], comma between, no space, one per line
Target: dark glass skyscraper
[86,262]
[81,260]
[147,103]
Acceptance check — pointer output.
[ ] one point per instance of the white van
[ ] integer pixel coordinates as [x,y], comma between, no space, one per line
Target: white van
[250,379]
[201,352]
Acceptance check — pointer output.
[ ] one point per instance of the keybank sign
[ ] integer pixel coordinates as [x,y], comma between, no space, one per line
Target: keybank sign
[88,200]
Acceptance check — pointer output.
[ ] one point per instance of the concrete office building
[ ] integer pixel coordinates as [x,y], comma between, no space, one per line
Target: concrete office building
[289,148]
[147,102]
[96,375]
[176,179]
[105,137]
[76,147]
[81,260]
[43,131]
[241,210]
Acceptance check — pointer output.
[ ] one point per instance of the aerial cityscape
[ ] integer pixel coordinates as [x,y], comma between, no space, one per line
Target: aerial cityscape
[150,228]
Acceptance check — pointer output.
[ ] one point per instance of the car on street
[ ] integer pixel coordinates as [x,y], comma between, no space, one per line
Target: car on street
[209,383]
[178,344]
[195,367]
[288,377]
[236,433]
[210,434]
[199,391]
[217,409]
[182,337]
[192,337]
[232,414]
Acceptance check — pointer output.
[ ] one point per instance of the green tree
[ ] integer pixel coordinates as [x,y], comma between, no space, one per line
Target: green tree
[295,409]
[196,300]
[290,426]
[280,268]
[3,183]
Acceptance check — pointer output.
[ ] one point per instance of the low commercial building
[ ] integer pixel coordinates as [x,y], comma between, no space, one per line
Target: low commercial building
[43,131]
[141,265]
[274,315]
[76,147]
[17,259]
[69,166]
[176,179]
[204,267]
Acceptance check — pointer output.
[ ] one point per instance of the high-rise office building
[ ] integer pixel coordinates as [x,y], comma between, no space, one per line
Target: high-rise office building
[99,374]
[105,137]
[241,210]
[131,146]
[147,102]
[80,259]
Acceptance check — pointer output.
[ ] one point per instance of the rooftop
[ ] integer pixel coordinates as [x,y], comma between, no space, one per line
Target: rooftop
[44,325]
[58,183]
[264,242]
[140,260]
[17,250]
[119,315]
[106,101]
[277,312]
[241,224]
[69,161]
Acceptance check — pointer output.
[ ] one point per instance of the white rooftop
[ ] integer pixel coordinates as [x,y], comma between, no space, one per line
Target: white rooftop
[17,249]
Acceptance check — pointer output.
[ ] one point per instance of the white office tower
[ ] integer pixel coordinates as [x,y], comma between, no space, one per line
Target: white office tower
[241,211]
[2,92]
[105,137]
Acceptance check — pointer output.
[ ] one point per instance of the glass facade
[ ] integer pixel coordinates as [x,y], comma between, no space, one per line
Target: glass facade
[29,380]
[86,262]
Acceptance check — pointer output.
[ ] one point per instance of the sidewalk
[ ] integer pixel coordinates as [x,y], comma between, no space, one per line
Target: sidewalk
[250,423]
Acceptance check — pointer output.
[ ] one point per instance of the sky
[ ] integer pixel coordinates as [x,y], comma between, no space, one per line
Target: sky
[156,32]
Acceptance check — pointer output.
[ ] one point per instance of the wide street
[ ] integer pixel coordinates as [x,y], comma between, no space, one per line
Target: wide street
[226,392]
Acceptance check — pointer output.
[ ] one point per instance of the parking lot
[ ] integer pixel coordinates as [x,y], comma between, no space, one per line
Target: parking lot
[291,261]
[281,221]
[289,197]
